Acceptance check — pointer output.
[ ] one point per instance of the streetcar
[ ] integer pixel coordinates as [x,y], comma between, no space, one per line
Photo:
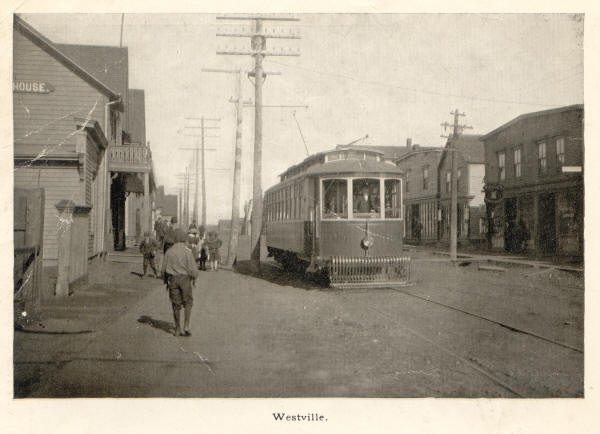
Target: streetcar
[338,215]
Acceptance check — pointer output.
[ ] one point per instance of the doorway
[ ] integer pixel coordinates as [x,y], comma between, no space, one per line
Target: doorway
[547,223]
[415,222]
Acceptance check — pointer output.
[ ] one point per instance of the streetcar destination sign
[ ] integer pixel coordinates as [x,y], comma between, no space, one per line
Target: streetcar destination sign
[29,86]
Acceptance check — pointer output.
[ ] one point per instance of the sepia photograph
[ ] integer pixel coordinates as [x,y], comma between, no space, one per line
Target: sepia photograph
[298,205]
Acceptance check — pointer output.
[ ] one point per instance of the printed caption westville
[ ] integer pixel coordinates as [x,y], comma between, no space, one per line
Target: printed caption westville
[309,417]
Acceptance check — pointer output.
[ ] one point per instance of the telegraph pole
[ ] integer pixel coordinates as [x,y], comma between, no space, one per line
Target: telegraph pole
[201,149]
[456,131]
[235,200]
[258,50]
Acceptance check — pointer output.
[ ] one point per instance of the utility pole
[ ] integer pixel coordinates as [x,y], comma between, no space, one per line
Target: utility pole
[456,131]
[185,178]
[237,168]
[258,50]
[122,23]
[201,149]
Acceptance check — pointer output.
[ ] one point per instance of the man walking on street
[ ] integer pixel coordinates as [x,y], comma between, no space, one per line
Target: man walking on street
[179,273]
[148,248]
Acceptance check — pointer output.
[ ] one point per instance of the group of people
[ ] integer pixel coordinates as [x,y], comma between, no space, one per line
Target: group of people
[184,255]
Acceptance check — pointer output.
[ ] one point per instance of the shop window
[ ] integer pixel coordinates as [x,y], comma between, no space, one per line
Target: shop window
[517,162]
[335,200]
[560,152]
[366,198]
[542,162]
[501,166]
[392,199]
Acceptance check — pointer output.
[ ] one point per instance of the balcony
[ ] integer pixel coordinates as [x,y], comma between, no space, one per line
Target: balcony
[129,158]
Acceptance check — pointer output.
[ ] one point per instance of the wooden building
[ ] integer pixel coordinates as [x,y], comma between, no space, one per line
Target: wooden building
[470,182]
[534,175]
[70,140]
[65,119]
[420,166]
[129,158]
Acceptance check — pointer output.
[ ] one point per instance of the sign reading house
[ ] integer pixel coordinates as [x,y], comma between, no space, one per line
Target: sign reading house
[28,86]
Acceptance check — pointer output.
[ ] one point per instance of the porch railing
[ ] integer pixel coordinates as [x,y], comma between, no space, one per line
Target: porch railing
[129,157]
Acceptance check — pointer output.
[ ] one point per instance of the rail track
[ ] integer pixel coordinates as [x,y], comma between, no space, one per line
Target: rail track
[494,377]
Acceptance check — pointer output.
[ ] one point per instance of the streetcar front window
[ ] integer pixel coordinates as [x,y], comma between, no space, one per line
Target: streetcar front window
[335,199]
[392,199]
[366,199]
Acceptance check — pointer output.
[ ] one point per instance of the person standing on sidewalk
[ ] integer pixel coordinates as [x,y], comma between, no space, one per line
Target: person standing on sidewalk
[179,272]
[148,248]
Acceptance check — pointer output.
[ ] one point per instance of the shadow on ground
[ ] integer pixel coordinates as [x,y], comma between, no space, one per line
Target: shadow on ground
[165,326]
[272,273]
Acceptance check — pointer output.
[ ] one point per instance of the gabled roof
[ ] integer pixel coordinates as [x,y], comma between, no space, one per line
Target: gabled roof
[108,64]
[51,48]
[531,115]
[419,150]
[470,148]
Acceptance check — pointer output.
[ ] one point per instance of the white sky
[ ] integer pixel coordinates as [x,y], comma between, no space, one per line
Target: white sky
[390,76]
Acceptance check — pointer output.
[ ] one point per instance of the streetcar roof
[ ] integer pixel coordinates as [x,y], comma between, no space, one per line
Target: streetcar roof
[323,162]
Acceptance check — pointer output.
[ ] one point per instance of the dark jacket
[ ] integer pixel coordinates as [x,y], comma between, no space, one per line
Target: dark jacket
[148,246]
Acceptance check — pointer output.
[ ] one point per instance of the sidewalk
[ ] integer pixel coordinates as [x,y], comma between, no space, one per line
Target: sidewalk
[67,325]
[499,258]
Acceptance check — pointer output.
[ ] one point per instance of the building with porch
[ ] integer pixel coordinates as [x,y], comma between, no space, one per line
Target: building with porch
[129,160]
[470,163]
[534,175]
[65,120]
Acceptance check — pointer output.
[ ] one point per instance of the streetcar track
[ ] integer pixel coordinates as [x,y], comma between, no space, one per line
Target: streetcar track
[500,323]
[487,374]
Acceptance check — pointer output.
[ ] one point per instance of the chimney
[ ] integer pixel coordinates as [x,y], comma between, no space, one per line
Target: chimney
[409,143]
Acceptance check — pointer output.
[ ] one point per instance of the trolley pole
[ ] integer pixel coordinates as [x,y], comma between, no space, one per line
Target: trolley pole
[258,50]
[456,131]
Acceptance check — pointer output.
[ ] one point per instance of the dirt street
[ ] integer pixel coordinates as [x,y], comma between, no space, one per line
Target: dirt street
[457,332]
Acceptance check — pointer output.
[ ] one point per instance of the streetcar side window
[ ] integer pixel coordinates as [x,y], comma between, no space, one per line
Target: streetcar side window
[335,200]
[393,202]
[366,198]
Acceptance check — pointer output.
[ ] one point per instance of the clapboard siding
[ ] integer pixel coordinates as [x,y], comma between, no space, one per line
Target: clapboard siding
[58,182]
[47,120]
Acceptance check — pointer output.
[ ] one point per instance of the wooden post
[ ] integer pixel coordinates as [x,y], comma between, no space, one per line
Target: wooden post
[235,201]
[147,214]
[258,44]
[65,222]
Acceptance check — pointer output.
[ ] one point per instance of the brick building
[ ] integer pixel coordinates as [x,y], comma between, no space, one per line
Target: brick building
[470,182]
[534,174]
[420,192]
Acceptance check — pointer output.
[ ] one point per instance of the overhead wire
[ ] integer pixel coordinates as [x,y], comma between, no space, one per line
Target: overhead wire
[409,89]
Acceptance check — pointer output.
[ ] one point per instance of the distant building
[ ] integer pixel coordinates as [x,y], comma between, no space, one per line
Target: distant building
[534,174]
[470,163]
[165,204]
[420,199]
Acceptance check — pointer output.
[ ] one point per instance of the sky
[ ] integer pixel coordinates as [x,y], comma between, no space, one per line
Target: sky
[388,76]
